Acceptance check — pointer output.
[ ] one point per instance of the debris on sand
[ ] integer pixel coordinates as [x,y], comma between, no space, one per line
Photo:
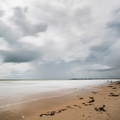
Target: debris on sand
[91,100]
[94,92]
[101,109]
[81,98]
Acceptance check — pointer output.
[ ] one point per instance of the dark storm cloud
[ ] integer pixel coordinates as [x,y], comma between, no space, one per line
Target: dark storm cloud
[19,56]
[19,19]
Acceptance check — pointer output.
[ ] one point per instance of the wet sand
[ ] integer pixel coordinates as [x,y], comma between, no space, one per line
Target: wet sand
[93,104]
[29,110]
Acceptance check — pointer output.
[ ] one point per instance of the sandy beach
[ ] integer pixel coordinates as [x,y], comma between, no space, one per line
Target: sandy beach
[94,104]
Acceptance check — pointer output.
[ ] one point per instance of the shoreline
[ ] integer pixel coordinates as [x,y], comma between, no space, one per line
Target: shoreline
[26,109]
[33,110]
[45,95]
[68,95]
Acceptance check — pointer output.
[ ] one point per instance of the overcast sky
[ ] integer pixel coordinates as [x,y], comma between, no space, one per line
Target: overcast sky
[59,39]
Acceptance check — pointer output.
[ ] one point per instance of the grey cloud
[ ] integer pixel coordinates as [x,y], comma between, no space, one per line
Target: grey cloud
[8,33]
[52,70]
[83,15]
[114,25]
[19,19]
[110,69]
[105,54]
[103,70]
[1,12]
[11,33]
[98,52]
[63,16]
[68,70]
[19,27]
[19,56]
[112,57]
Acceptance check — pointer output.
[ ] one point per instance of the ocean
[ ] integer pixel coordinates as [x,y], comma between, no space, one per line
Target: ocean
[18,92]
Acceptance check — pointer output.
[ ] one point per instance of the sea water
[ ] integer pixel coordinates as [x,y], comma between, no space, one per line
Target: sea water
[16,92]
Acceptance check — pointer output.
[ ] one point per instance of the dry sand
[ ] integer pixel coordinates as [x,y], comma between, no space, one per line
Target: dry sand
[101,105]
